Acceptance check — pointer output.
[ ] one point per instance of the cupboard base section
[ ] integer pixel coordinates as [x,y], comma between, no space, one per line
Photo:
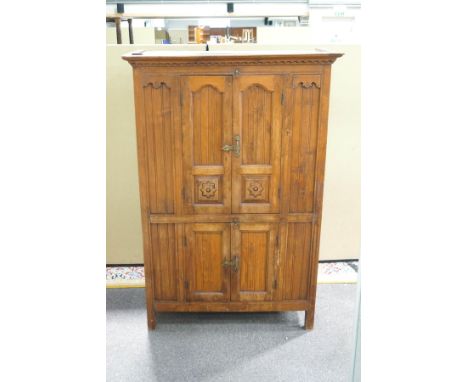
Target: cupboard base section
[270,306]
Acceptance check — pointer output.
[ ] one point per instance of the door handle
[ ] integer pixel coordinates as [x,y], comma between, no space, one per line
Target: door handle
[235,148]
[234,263]
[226,263]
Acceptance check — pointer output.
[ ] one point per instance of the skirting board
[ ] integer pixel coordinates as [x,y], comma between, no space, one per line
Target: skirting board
[132,276]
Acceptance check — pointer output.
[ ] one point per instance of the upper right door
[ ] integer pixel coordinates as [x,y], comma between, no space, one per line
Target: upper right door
[257,121]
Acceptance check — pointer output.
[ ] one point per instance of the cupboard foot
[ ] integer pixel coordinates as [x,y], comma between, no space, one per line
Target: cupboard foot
[309,319]
[152,324]
[151,319]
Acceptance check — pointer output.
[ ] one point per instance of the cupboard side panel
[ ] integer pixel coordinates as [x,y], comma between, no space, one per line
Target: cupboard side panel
[319,178]
[142,150]
[163,239]
[296,262]
[304,119]
[161,133]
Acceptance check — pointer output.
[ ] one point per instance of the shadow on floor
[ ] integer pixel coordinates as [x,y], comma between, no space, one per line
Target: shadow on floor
[219,346]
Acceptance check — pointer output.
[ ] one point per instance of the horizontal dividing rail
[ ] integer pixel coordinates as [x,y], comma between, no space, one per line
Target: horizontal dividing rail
[233,218]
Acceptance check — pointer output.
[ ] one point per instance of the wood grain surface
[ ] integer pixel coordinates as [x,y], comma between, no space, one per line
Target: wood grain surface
[228,230]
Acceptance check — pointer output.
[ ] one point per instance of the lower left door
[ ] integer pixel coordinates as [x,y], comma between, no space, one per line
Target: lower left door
[208,255]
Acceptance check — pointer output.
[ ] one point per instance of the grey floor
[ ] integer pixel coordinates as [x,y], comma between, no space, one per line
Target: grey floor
[237,347]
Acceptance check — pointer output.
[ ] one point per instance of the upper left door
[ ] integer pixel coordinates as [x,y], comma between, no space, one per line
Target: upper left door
[206,103]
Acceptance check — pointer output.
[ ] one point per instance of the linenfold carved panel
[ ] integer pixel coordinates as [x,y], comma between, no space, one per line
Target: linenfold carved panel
[304,126]
[207,117]
[163,239]
[256,124]
[160,141]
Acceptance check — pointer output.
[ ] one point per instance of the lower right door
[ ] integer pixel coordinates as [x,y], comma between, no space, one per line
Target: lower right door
[254,250]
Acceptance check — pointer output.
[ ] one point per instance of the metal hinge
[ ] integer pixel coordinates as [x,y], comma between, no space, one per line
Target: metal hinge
[185,241]
[186,285]
[275,284]
[282,98]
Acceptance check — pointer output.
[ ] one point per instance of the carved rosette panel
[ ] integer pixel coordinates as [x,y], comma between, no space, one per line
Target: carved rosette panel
[207,189]
[255,189]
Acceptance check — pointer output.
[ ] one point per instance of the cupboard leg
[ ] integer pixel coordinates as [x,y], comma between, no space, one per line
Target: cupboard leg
[309,319]
[151,317]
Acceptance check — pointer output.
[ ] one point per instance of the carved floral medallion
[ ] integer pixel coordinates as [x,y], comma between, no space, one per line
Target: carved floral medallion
[208,189]
[255,189]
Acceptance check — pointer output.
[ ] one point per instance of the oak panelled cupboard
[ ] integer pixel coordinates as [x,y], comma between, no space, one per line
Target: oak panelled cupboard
[231,156]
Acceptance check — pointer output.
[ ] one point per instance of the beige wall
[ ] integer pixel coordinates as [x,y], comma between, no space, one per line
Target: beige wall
[140,35]
[341,211]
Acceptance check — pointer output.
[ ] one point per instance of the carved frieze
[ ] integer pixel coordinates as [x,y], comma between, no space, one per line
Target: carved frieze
[309,84]
[155,84]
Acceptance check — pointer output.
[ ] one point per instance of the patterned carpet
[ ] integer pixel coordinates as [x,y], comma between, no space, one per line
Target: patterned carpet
[337,272]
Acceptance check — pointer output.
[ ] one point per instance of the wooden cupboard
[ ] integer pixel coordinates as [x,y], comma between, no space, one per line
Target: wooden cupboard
[231,155]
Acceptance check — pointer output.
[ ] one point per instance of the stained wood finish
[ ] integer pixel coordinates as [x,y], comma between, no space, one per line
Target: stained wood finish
[208,246]
[257,119]
[228,218]
[160,97]
[163,239]
[255,247]
[207,124]
[262,306]
[303,134]
[225,233]
[296,261]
